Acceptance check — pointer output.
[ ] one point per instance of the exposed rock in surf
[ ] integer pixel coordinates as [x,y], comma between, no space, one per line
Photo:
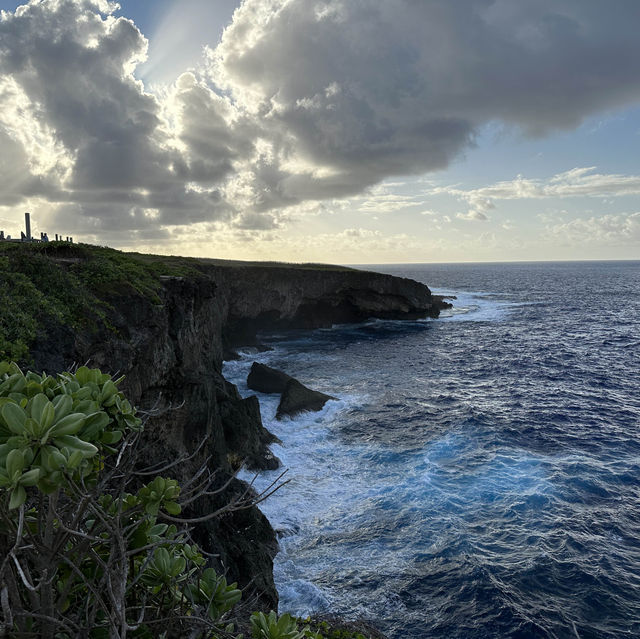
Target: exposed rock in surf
[265,379]
[296,398]
[441,301]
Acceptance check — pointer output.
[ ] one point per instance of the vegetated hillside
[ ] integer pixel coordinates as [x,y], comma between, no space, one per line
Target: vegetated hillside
[165,323]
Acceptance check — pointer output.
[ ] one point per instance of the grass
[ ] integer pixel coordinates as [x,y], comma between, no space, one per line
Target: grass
[71,285]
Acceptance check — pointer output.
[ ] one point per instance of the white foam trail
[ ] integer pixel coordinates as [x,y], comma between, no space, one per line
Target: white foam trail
[473,306]
[324,476]
[339,514]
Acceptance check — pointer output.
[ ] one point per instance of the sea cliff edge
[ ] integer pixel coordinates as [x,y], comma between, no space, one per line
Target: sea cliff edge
[166,323]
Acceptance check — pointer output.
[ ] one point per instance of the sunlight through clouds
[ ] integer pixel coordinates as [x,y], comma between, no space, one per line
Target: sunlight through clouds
[277,115]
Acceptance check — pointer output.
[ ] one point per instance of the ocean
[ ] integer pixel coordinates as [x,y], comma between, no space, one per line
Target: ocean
[479,475]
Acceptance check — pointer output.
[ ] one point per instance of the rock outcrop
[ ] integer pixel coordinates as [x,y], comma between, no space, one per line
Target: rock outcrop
[268,298]
[265,379]
[171,356]
[170,346]
[297,398]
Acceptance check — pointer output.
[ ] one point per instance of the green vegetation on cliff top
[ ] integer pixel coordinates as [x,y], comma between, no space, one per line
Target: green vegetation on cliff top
[71,284]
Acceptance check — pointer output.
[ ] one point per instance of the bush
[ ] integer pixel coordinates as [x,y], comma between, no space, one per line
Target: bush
[44,285]
[89,550]
[84,556]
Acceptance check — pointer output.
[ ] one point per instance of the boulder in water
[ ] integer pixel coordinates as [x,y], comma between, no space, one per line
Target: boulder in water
[296,398]
[265,379]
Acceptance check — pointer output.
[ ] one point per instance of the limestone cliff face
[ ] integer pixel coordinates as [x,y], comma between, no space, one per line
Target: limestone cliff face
[261,298]
[171,353]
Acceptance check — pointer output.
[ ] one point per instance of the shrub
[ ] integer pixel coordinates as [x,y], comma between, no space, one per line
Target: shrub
[270,627]
[83,555]
[88,549]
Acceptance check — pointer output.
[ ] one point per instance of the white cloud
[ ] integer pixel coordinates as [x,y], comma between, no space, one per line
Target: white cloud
[607,230]
[472,214]
[385,201]
[578,182]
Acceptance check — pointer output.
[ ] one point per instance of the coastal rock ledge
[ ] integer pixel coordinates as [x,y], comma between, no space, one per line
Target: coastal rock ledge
[165,323]
[282,297]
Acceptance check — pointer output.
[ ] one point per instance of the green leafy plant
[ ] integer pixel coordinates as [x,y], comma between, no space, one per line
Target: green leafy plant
[87,548]
[53,429]
[212,591]
[83,556]
[273,627]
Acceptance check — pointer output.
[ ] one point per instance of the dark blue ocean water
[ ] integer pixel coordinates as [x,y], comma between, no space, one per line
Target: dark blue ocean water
[480,475]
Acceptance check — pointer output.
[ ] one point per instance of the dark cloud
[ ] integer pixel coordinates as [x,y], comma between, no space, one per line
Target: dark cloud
[256,221]
[368,90]
[212,142]
[302,100]
[107,223]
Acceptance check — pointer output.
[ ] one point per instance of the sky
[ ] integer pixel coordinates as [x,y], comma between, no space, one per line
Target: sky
[345,131]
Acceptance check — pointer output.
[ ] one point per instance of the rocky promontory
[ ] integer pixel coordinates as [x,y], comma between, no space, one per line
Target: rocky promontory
[271,297]
[165,323]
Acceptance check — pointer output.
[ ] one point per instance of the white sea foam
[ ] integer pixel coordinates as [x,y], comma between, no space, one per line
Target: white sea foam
[452,478]
[345,500]
[353,511]
[476,306]
[320,480]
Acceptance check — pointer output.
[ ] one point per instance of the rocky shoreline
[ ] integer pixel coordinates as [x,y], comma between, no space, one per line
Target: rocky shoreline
[170,347]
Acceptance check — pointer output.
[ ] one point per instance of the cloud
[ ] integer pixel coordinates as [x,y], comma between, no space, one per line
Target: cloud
[607,230]
[301,101]
[382,199]
[578,182]
[472,214]
[357,243]
[85,133]
[356,92]
[256,222]
[582,182]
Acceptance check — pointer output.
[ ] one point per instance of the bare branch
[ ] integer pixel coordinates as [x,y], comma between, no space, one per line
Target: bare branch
[239,503]
[7,622]
[163,467]
[23,577]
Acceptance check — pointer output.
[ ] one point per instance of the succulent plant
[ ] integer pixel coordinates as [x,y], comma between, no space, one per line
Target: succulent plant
[273,627]
[52,428]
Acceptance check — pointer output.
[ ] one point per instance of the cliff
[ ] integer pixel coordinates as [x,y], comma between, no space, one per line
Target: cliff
[280,297]
[164,323]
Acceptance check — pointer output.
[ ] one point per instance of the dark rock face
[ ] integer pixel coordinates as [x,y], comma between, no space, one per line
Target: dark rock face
[296,398]
[171,354]
[283,297]
[265,379]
